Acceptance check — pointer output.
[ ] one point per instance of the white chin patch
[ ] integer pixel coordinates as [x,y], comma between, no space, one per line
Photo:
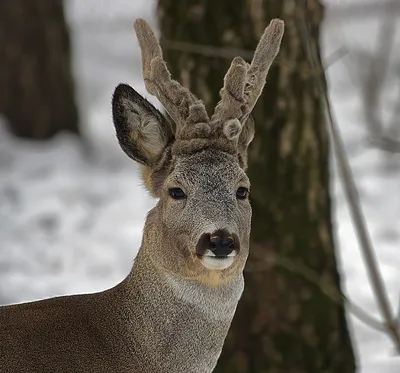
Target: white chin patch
[210,261]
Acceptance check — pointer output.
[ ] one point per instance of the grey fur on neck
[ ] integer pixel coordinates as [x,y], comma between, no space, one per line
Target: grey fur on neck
[158,330]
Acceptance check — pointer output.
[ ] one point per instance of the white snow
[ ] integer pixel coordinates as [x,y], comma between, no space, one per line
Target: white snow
[72,212]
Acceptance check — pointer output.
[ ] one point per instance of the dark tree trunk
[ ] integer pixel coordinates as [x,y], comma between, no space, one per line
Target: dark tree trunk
[284,322]
[36,85]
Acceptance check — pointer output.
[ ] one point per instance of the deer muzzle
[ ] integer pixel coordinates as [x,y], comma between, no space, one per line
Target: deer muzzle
[218,249]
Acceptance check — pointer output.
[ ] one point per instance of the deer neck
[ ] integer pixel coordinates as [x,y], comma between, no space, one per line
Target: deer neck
[176,324]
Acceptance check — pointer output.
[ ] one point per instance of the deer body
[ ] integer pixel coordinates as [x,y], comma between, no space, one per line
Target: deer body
[173,311]
[122,329]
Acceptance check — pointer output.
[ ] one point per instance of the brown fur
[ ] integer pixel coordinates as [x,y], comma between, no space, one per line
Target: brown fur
[173,311]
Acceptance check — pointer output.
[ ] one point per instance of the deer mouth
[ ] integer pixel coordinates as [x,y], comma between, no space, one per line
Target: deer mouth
[217,262]
[210,254]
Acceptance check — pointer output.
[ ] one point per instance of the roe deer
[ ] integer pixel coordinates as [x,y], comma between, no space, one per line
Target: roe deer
[173,311]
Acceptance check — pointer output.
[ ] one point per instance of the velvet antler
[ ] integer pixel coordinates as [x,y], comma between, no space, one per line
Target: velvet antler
[181,105]
[243,83]
[230,128]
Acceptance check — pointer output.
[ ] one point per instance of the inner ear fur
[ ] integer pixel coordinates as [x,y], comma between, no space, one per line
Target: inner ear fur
[142,131]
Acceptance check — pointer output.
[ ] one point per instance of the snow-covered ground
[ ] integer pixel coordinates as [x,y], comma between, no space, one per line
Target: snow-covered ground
[71,212]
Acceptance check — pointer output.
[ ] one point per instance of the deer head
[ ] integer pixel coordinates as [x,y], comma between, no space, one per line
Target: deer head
[200,226]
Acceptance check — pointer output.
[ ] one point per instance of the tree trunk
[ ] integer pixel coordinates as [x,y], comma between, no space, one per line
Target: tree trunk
[36,85]
[285,321]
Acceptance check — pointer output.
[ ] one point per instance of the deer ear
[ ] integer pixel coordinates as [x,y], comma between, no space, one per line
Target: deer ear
[142,131]
[245,138]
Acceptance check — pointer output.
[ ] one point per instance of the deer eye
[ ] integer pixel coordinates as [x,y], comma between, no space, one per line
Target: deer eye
[242,193]
[176,193]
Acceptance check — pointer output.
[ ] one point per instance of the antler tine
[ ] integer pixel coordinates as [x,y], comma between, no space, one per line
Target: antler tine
[244,83]
[232,94]
[150,49]
[266,51]
[178,101]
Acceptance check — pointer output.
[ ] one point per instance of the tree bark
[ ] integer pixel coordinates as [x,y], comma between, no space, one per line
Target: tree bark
[36,85]
[285,322]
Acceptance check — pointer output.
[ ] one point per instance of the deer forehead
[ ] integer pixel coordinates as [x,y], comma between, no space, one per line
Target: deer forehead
[210,168]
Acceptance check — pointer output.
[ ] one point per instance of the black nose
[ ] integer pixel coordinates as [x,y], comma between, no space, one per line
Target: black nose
[221,243]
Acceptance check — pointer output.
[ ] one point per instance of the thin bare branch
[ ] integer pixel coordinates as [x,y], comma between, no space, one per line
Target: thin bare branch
[206,50]
[366,318]
[361,10]
[372,81]
[392,139]
[398,314]
[327,289]
[386,144]
[381,136]
[335,56]
[394,126]
[378,69]
[230,53]
[350,188]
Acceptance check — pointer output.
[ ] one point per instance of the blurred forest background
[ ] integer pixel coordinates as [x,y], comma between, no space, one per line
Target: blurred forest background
[72,207]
